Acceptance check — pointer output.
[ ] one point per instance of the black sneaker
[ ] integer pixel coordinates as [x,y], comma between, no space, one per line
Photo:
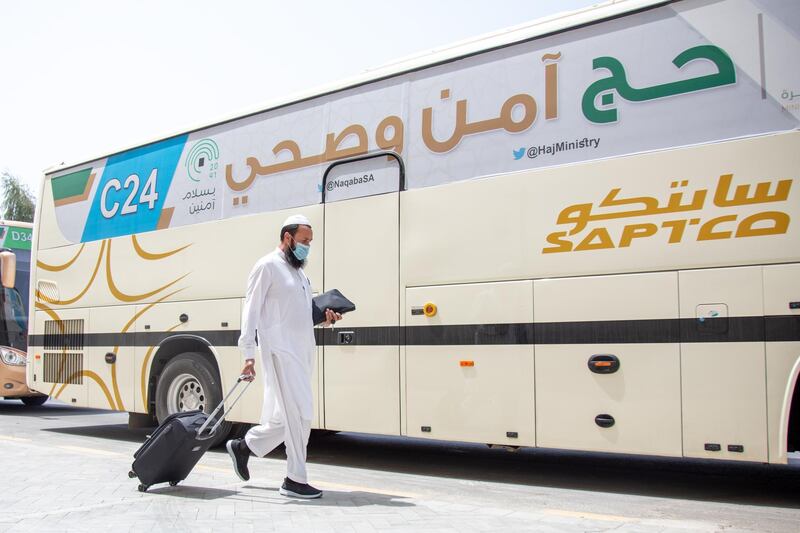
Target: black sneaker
[240,454]
[299,490]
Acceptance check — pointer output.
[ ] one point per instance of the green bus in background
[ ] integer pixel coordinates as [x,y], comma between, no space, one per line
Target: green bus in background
[17,236]
[15,275]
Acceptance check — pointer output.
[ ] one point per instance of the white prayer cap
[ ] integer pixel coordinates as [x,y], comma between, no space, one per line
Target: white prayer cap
[296,219]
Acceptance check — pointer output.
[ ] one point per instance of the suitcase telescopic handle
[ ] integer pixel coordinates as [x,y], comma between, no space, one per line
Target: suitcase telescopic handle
[239,381]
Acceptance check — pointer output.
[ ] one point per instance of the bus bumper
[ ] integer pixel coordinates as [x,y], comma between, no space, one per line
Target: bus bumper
[12,382]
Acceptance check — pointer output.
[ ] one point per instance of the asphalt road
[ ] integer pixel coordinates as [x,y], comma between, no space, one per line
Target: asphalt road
[55,457]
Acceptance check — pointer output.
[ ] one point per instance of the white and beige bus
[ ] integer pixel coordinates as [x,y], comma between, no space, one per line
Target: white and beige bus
[581,233]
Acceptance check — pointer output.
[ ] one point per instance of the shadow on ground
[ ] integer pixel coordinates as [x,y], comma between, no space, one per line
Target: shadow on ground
[50,409]
[195,493]
[335,498]
[119,432]
[727,482]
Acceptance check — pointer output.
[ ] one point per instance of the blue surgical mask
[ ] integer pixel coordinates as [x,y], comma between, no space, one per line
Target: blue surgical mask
[300,251]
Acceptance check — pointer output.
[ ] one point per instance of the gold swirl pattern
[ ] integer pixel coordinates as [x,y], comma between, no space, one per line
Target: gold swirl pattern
[59,268]
[125,329]
[141,252]
[131,298]
[42,296]
[96,378]
[115,401]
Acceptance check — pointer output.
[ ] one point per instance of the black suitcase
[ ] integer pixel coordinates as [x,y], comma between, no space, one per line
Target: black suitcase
[175,447]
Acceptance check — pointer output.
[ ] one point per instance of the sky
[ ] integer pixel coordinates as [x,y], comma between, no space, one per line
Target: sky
[79,79]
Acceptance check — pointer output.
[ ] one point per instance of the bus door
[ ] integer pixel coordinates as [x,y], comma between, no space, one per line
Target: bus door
[361,355]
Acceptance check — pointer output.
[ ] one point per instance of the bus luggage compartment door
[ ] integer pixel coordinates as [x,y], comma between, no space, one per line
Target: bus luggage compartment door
[723,364]
[469,363]
[608,364]
[112,362]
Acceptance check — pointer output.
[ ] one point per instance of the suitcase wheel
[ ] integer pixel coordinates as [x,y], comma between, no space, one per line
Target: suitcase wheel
[131,474]
[173,483]
[143,487]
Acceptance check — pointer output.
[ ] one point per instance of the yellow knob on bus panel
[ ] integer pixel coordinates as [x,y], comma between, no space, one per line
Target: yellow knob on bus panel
[429,309]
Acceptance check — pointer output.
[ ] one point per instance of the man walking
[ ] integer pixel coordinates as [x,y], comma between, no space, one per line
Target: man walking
[278,307]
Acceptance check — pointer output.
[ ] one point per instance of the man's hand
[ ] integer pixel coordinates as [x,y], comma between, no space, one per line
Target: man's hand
[331,317]
[249,370]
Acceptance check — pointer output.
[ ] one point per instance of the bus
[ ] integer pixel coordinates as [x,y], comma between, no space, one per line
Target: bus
[15,253]
[580,233]
[17,237]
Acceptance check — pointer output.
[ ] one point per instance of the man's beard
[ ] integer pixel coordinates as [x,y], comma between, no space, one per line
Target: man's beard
[293,260]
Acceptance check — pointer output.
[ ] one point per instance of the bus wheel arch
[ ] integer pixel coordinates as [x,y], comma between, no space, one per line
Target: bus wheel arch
[187,362]
[791,415]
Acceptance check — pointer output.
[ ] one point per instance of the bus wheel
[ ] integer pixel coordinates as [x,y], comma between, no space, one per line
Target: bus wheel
[188,383]
[34,401]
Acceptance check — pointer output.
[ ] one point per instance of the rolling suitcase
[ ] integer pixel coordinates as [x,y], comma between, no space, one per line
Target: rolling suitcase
[175,447]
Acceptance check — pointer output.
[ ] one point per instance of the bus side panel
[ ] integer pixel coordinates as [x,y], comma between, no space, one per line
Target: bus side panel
[715,205]
[473,379]
[111,357]
[781,286]
[206,261]
[723,367]
[632,318]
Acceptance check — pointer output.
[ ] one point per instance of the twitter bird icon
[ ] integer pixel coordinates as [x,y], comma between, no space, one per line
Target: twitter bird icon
[518,153]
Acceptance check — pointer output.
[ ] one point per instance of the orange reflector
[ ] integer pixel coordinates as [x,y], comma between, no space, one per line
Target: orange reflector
[467,363]
[602,363]
[429,309]
[37,356]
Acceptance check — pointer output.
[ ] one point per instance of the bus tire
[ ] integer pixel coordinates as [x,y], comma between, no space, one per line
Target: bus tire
[189,383]
[34,401]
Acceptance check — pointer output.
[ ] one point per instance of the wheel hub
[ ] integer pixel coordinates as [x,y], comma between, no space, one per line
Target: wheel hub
[185,394]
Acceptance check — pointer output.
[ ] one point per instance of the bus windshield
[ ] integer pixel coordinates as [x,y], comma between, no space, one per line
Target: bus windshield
[13,321]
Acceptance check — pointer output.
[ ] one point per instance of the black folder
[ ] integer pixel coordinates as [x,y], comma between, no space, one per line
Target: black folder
[333,300]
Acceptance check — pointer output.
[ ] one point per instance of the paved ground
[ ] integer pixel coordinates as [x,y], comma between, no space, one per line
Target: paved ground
[65,469]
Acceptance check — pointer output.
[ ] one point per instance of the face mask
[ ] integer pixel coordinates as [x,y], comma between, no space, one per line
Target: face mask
[300,251]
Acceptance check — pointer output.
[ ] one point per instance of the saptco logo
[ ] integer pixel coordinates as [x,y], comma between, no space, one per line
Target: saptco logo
[203,160]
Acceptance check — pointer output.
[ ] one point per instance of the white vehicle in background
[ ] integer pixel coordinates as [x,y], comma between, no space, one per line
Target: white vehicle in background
[580,233]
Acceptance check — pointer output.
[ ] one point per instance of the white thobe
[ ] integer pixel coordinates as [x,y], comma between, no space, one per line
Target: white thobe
[278,307]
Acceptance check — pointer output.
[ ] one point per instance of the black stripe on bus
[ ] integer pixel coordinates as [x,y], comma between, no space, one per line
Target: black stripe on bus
[608,332]
[782,328]
[150,338]
[733,329]
[365,336]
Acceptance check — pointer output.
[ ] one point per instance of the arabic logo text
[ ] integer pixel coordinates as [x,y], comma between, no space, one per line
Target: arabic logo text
[583,233]
[617,83]
[202,160]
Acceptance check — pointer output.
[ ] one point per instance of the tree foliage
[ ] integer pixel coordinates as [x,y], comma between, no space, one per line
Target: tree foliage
[18,201]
